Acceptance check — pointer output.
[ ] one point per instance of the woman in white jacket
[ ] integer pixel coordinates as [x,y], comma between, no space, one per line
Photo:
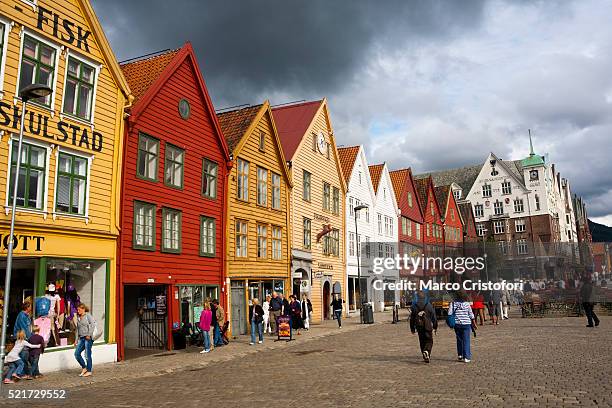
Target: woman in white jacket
[15,362]
[266,317]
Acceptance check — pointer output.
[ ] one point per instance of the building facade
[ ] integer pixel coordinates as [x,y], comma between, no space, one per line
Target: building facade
[174,192]
[385,215]
[317,202]
[359,224]
[67,219]
[258,256]
[433,225]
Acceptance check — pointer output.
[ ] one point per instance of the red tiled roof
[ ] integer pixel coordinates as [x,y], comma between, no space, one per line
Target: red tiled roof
[235,123]
[375,174]
[292,121]
[398,178]
[141,74]
[347,156]
[422,184]
[442,197]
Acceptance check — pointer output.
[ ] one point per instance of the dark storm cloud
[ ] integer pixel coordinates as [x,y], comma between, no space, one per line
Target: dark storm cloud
[302,48]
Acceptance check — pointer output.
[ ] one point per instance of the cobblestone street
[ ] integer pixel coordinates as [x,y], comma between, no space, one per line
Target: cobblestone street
[523,362]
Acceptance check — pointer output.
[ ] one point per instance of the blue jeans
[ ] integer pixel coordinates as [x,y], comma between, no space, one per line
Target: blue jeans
[206,337]
[338,314]
[86,345]
[34,365]
[217,335]
[25,357]
[14,368]
[463,332]
[256,328]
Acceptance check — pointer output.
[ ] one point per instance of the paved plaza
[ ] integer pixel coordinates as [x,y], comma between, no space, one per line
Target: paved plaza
[523,362]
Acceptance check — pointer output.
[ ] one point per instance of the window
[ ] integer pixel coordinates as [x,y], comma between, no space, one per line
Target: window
[277,246]
[521,246]
[486,190]
[367,248]
[276,191]
[71,184]
[359,178]
[503,247]
[452,214]
[410,199]
[262,241]
[241,239]
[306,178]
[478,210]
[351,243]
[518,205]
[148,157]
[506,188]
[499,227]
[336,201]
[328,151]
[519,225]
[207,236]
[243,179]
[173,172]
[498,208]
[314,142]
[37,66]
[3,32]
[79,89]
[418,231]
[31,181]
[335,242]
[537,202]
[380,224]
[171,230]
[307,237]
[457,194]
[431,208]
[262,141]
[144,226]
[428,230]
[404,226]
[210,171]
[367,214]
[351,206]
[326,196]
[480,229]
[262,187]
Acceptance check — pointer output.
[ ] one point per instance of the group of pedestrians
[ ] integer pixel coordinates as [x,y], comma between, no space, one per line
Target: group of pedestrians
[497,303]
[211,318]
[23,359]
[264,318]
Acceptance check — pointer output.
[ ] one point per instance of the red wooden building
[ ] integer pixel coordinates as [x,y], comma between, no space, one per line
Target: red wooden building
[174,188]
[433,238]
[410,223]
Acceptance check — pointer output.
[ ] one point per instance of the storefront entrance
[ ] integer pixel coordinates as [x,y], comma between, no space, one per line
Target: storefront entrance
[145,311]
[326,300]
[240,299]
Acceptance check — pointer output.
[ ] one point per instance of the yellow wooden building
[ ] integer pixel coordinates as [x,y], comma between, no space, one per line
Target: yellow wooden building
[258,238]
[68,187]
[318,259]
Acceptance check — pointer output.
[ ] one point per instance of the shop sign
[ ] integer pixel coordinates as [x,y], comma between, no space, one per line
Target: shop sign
[318,275]
[296,275]
[23,242]
[72,32]
[320,217]
[160,305]
[38,124]
[326,266]
[284,328]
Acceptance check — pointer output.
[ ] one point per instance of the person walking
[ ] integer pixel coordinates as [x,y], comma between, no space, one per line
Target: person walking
[220,321]
[296,314]
[205,322]
[478,307]
[336,306]
[306,311]
[276,305]
[494,306]
[588,299]
[464,324]
[86,326]
[256,314]
[266,317]
[506,299]
[34,353]
[24,323]
[13,359]
[424,322]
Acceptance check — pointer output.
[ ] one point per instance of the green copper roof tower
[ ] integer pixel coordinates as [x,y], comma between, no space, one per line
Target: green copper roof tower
[534,159]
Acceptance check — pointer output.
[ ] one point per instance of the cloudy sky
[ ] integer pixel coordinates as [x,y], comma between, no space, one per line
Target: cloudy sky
[429,84]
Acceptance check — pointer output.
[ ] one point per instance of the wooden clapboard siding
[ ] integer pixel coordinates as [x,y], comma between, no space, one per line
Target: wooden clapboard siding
[199,137]
[322,170]
[273,160]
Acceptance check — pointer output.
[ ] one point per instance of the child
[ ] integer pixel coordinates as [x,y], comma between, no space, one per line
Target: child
[16,364]
[36,338]
[205,320]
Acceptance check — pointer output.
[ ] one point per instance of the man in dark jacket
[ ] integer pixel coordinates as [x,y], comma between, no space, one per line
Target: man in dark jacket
[588,298]
[424,322]
[275,308]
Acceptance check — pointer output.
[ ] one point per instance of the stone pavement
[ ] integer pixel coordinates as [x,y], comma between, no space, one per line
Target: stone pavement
[523,362]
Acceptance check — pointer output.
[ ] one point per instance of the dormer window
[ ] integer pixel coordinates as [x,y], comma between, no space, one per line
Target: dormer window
[262,142]
[457,194]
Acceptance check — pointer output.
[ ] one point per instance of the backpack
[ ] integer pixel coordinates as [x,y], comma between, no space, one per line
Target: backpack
[422,321]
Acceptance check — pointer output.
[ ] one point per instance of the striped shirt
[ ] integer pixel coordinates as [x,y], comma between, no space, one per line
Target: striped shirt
[463,312]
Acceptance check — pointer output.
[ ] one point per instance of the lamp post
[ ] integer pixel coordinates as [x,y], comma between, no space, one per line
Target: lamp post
[32,91]
[362,298]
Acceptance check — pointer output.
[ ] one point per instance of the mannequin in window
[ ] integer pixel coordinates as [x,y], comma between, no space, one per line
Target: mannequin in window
[53,312]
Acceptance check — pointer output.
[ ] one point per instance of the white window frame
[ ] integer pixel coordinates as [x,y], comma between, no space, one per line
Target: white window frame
[516,203]
[58,50]
[479,214]
[8,24]
[31,3]
[508,190]
[500,207]
[522,243]
[480,229]
[501,230]
[520,222]
[7,207]
[97,67]
[488,189]
[89,158]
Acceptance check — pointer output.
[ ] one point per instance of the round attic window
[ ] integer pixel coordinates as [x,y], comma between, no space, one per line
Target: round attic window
[184,108]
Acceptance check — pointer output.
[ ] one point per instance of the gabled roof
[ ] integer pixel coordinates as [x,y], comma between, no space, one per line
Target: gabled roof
[422,185]
[442,197]
[466,212]
[235,124]
[463,176]
[142,73]
[398,178]
[292,122]
[347,157]
[375,173]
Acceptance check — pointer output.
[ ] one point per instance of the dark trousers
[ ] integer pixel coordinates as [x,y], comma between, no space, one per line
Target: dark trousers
[217,335]
[34,365]
[25,356]
[590,313]
[425,340]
